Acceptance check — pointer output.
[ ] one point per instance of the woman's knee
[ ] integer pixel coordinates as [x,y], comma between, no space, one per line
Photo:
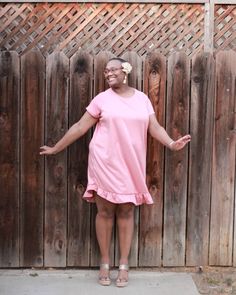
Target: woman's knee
[125,211]
[105,208]
[106,213]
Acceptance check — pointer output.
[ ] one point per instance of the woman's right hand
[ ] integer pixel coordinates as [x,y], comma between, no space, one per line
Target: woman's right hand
[74,133]
[47,150]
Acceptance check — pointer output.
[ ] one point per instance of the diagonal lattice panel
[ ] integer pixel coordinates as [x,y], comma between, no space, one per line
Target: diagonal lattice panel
[225,27]
[116,27]
[168,28]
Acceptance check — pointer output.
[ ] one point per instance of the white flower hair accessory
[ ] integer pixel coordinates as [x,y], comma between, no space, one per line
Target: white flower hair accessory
[126,67]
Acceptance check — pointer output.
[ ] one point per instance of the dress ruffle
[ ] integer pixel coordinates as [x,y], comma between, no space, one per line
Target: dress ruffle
[136,198]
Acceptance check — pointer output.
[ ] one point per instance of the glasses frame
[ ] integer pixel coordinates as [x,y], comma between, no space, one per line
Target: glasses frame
[112,70]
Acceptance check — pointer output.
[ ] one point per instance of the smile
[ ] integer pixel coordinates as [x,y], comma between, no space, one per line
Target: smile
[110,79]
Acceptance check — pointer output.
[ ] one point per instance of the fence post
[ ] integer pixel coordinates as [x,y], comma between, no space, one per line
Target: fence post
[209,27]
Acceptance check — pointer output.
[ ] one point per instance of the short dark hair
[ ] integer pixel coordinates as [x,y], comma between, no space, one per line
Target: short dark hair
[118,58]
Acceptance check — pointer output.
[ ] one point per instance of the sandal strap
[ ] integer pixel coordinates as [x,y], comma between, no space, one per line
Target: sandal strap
[124,267]
[104,266]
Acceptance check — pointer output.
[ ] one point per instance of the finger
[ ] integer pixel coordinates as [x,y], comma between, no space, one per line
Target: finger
[182,141]
[186,137]
[44,153]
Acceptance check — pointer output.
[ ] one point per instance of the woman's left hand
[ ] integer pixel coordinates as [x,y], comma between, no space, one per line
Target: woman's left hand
[180,143]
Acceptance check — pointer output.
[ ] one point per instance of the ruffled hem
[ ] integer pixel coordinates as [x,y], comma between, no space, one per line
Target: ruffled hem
[136,199]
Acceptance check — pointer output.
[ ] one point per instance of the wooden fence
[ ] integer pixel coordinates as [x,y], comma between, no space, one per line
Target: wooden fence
[43,220]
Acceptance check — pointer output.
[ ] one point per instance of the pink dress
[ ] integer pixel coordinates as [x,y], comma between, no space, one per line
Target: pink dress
[117,151]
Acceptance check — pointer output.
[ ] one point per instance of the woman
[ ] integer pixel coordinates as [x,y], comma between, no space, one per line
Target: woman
[117,160]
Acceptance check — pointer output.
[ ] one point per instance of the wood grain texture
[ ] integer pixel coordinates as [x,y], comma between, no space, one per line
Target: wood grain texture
[176,163]
[9,158]
[223,168]
[32,164]
[79,219]
[151,217]
[55,240]
[201,130]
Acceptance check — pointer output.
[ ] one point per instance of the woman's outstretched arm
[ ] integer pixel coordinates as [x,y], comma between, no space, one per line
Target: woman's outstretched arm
[160,134]
[74,133]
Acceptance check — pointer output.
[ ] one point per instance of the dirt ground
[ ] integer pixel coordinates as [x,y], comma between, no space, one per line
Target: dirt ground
[214,281]
[209,280]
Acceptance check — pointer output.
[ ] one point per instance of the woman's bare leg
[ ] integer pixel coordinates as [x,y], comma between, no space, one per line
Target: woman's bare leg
[125,223]
[104,225]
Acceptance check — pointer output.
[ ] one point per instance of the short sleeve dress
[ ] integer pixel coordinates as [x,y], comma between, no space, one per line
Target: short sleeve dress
[117,151]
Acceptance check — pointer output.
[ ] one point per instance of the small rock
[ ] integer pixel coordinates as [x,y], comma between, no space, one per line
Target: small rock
[33,274]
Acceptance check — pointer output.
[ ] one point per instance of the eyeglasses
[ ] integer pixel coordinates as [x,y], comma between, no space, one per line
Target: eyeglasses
[112,70]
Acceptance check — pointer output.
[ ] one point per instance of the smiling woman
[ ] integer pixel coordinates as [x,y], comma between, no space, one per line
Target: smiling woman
[117,160]
[116,72]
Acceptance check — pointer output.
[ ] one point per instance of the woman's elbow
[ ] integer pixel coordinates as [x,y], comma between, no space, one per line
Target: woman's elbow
[80,129]
[151,131]
[155,131]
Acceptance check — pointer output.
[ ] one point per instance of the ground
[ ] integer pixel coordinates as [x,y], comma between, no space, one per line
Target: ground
[214,281]
[210,280]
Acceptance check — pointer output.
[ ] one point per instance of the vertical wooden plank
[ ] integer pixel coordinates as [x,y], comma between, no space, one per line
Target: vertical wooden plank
[223,172]
[151,217]
[135,77]
[176,163]
[32,164]
[201,130]
[100,62]
[9,158]
[79,219]
[55,243]
[134,80]
[209,26]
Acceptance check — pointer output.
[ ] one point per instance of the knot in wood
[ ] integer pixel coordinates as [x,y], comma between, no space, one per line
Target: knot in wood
[80,188]
[153,188]
[81,66]
[178,67]
[59,245]
[58,171]
[154,73]
[3,118]
[197,79]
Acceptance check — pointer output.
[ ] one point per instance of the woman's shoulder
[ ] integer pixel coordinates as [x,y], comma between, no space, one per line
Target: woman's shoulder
[101,95]
[141,94]
[104,93]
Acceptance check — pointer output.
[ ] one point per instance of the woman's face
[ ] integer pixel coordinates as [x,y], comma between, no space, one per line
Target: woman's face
[113,74]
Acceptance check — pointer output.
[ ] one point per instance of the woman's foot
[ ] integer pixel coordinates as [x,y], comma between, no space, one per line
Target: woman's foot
[122,279]
[104,274]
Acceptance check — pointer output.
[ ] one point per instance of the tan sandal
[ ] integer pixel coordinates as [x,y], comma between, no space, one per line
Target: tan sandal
[122,282]
[104,280]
